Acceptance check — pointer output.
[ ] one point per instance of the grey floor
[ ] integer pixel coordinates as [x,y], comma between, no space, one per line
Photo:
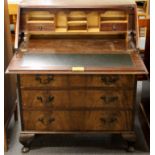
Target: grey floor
[78,144]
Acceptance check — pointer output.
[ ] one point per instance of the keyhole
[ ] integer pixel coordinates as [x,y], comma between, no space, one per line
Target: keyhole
[41,28]
[114,27]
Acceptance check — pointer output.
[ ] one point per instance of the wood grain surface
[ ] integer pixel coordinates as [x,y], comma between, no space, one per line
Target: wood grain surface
[77,120]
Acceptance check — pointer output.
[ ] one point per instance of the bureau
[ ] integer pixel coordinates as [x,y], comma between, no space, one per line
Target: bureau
[76,65]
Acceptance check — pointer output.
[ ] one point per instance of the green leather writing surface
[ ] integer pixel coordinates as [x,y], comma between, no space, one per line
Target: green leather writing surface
[84,60]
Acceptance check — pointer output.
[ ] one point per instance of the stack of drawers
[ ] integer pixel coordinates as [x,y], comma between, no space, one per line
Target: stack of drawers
[77,102]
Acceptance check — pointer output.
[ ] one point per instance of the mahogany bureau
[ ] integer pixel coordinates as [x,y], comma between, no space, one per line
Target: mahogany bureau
[76,65]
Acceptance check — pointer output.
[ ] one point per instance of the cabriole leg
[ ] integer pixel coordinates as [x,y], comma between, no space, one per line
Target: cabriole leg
[131,139]
[26,140]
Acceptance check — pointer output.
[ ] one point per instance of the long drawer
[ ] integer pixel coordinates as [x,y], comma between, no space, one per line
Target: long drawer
[44,81]
[77,120]
[77,99]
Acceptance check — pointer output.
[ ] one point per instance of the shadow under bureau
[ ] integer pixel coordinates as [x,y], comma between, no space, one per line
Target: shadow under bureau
[76,67]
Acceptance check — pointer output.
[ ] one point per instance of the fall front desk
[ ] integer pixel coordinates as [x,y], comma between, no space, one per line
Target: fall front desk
[76,64]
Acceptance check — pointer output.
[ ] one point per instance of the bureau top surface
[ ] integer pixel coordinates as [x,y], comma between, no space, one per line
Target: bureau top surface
[74,3]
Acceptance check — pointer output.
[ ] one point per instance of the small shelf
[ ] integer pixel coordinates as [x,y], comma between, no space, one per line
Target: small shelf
[61,30]
[40,21]
[94,29]
[113,16]
[114,21]
[77,22]
[40,17]
[77,31]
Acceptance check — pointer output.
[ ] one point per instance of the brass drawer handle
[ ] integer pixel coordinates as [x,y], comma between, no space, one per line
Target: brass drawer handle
[45,81]
[109,79]
[110,118]
[46,120]
[109,99]
[47,101]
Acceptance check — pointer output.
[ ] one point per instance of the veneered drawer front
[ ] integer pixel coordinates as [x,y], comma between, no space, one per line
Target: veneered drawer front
[40,27]
[109,120]
[109,99]
[77,120]
[124,81]
[43,81]
[113,27]
[44,99]
[77,99]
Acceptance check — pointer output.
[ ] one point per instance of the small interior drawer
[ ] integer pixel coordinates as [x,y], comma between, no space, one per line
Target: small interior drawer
[41,26]
[113,27]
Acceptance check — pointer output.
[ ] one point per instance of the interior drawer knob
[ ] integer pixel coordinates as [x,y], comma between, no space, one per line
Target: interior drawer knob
[40,28]
[113,27]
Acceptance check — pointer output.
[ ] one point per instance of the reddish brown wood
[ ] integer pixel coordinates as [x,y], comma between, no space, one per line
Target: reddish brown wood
[84,45]
[40,27]
[10,103]
[71,81]
[63,99]
[59,100]
[15,67]
[113,27]
[85,120]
